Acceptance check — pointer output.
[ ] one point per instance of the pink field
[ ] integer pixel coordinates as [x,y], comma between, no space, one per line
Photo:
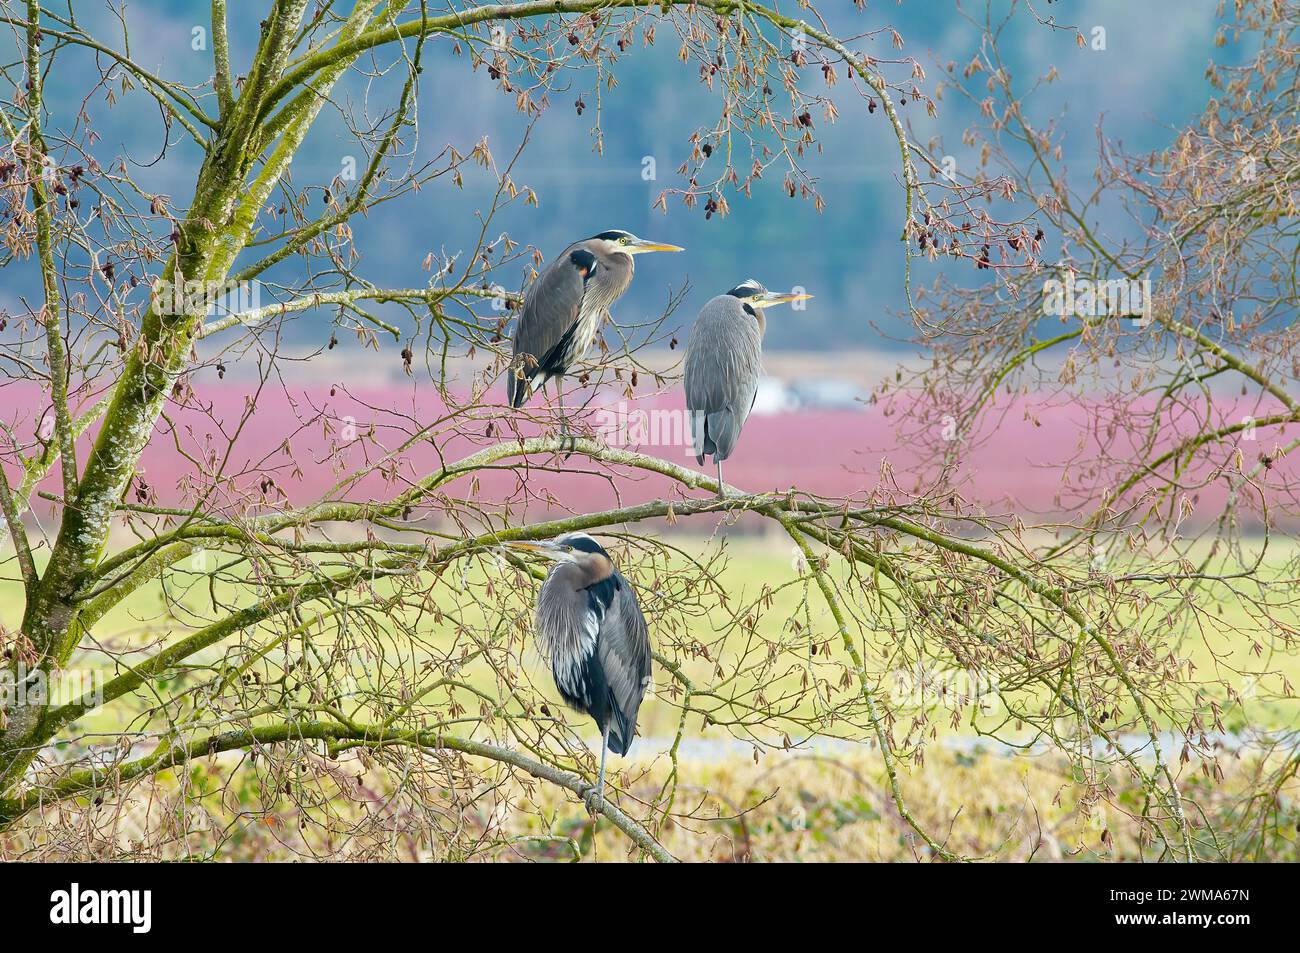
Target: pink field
[1015,467]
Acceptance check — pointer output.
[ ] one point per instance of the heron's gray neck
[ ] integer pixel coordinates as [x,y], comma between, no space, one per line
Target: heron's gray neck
[586,570]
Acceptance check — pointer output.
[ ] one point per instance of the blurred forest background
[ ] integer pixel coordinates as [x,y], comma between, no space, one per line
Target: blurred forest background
[1148,82]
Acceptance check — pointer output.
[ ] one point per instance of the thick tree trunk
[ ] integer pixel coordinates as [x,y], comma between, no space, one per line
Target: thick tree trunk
[212,236]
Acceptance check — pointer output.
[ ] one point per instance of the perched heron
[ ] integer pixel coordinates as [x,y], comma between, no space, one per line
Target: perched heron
[565,307]
[591,627]
[723,365]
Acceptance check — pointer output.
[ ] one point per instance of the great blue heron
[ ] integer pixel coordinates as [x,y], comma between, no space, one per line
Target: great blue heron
[724,359]
[565,307]
[591,627]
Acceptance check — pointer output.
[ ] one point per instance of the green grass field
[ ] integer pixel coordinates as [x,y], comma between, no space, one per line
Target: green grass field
[750,798]
[763,589]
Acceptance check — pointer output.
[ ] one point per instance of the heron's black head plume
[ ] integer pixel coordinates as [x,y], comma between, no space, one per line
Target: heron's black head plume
[583,543]
[613,235]
[747,289]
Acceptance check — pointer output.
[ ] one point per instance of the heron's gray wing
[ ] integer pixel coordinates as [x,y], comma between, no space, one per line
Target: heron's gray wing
[723,365]
[624,650]
[549,315]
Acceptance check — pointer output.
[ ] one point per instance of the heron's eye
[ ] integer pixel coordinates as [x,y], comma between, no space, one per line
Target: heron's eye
[623,240]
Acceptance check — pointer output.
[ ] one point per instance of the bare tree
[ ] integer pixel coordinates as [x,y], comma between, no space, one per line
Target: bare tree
[383,632]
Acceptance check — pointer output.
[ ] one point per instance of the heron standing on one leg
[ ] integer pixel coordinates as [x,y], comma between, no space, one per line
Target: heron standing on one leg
[564,308]
[724,361]
[590,625]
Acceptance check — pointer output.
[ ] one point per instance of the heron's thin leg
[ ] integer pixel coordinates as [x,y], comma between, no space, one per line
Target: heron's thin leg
[559,399]
[598,798]
[722,487]
[600,779]
[564,418]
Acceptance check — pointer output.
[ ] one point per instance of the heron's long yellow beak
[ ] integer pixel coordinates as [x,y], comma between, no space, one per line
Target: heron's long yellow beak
[530,546]
[777,297]
[643,245]
[546,548]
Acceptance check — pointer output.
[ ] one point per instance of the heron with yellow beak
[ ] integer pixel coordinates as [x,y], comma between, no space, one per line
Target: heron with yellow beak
[590,627]
[565,308]
[724,362]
